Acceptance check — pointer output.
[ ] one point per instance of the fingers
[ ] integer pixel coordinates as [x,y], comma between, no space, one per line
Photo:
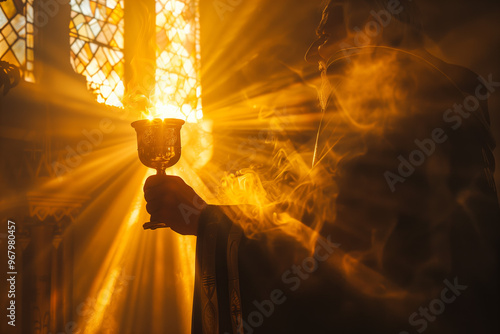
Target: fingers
[157,185]
[154,180]
[158,192]
[162,191]
[156,203]
[159,180]
[162,216]
[171,201]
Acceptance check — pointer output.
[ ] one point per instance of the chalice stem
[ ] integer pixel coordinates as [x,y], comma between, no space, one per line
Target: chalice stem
[154,225]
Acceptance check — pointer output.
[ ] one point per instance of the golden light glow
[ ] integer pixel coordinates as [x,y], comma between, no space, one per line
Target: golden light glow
[177,94]
[184,112]
[264,106]
[105,285]
[267,170]
[178,90]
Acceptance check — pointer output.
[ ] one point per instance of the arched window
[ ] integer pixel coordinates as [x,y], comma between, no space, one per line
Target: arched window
[97,50]
[96,37]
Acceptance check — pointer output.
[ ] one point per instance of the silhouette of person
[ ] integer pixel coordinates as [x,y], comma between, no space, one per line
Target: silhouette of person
[401,195]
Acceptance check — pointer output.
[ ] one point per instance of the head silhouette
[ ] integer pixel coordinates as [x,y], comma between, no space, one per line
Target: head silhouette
[361,23]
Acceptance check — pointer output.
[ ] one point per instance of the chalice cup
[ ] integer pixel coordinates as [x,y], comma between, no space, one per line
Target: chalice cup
[159,147]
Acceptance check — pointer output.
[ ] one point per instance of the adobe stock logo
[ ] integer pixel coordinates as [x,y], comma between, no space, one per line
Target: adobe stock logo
[74,156]
[293,277]
[454,118]
[222,7]
[436,307]
[372,29]
[46,10]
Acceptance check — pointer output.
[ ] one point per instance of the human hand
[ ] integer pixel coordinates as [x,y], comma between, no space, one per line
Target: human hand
[172,202]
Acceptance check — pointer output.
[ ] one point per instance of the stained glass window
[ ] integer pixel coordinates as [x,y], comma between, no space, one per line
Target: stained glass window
[178,89]
[96,39]
[16,35]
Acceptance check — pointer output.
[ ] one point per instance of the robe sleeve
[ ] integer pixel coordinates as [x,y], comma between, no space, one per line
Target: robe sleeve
[217,302]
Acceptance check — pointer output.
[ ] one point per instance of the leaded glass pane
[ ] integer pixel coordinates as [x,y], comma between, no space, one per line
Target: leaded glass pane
[16,46]
[96,37]
[177,90]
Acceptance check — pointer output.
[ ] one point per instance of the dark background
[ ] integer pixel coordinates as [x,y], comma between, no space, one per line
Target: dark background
[466,33]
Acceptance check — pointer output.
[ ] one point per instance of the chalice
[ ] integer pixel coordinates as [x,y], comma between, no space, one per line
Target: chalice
[159,147]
